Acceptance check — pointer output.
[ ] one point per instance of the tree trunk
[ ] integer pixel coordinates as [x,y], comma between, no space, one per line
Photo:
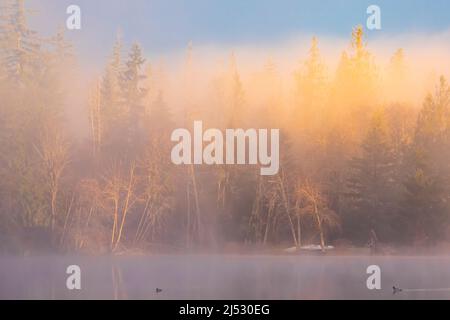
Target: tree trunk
[269,217]
[319,226]
[287,208]
[113,234]
[126,207]
[199,226]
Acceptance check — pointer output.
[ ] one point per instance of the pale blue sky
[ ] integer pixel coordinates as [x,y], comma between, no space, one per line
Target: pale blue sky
[163,26]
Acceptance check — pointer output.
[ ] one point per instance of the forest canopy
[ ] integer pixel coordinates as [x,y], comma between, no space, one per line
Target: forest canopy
[360,156]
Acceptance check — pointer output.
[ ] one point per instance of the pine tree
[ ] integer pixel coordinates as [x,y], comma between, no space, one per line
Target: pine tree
[397,83]
[397,65]
[111,81]
[311,80]
[371,184]
[132,76]
[425,208]
[356,77]
[361,58]
[311,93]
[63,55]
[133,95]
[33,107]
[21,55]
[112,115]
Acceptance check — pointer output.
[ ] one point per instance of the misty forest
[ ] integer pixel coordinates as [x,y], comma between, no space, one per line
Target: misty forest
[360,159]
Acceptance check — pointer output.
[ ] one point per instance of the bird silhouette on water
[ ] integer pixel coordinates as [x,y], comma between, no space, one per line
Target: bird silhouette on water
[397,290]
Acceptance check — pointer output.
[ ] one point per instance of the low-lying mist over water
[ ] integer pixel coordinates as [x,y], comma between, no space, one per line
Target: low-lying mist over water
[130,143]
[226,277]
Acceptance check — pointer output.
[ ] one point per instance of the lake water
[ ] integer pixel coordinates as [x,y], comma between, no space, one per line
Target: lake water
[223,277]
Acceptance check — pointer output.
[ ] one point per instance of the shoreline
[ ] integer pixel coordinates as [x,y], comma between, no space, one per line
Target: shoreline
[387,251]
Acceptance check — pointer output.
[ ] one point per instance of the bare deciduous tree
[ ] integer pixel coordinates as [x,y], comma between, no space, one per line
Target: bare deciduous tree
[311,202]
[53,151]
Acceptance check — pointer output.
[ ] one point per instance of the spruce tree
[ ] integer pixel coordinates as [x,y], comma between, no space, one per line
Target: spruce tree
[425,207]
[133,94]
[371,184]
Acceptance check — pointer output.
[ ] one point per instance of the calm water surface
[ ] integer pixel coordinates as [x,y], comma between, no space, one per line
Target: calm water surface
[223,277]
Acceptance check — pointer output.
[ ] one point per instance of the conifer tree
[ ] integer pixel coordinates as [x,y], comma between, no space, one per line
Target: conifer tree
[356,78]
[371,183]
[311,85]
[398,81]
[426,210]
[133,95]
[21,56]
[112,115]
